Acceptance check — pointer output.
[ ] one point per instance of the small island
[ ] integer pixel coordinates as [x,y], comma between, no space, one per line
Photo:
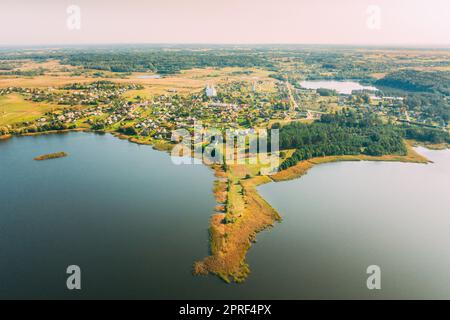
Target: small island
[51,156]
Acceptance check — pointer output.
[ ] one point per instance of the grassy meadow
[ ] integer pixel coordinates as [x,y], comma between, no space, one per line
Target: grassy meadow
[13,109]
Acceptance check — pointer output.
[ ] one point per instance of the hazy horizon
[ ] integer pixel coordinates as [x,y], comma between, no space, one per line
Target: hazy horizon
[191,45]
[396,23]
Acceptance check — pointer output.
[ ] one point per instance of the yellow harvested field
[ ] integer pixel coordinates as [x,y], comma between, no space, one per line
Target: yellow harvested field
[50,65]
[188,81]
[57,75]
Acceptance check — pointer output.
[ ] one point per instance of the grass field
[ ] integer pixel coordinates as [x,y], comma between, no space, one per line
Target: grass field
[13,109]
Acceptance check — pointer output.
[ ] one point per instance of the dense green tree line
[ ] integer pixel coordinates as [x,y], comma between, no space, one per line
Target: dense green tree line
[344,133]
[52,126]
[164,62]
[326,92]
[418,81]
[128,129]
[25,73]
[424,134]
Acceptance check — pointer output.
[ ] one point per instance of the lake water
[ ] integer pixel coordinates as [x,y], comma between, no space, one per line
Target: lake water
[342,217]
[152,76]
[342,87]
[134,222]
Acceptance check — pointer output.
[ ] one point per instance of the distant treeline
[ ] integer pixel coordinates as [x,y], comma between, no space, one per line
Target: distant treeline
[418,81]
[25,73]
[164,62]
[102,84]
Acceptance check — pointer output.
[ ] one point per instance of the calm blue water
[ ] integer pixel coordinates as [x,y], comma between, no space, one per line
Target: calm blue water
[343,87]
[132,220]
[153,76]
[135,223]
[342,217]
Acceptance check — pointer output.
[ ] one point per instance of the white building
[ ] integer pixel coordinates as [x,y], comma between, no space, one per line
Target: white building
[210,91]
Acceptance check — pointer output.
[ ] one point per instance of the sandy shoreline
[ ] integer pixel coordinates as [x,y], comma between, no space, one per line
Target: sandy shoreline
[5,137]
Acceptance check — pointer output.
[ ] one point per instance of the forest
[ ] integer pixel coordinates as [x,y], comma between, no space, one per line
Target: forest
[164,62]
[424,134]
[344,133]
[417,81]
[427,92]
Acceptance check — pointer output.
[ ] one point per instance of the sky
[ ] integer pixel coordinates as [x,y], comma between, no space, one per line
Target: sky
[345,22]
